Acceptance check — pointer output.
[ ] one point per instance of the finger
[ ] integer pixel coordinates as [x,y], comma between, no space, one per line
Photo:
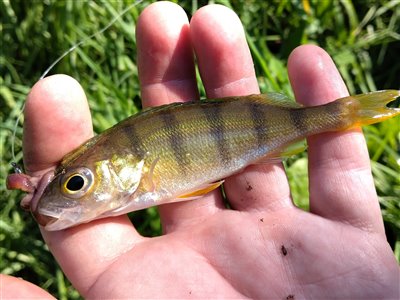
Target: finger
[167,74]
[57,120]
[17,288]
[165,59]
[49,122]
[226,68]
[341,184]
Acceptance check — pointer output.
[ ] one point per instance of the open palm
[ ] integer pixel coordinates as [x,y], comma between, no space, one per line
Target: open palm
[264,247]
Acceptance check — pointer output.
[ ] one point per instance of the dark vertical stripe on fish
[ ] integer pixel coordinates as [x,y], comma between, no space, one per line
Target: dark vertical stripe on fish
[336,108]
[176,140]
[217,131]
[298,117]
[133,138]
[259,122]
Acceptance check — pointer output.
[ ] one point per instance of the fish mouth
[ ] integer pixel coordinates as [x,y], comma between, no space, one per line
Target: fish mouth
[57,219]
[44,219]
[32,201]
[43,183]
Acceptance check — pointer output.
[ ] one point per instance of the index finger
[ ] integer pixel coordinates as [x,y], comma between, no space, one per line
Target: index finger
[57,120]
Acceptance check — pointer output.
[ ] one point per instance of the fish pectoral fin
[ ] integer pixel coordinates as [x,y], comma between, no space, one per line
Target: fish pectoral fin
[284,153]
[199,192]
[148,180]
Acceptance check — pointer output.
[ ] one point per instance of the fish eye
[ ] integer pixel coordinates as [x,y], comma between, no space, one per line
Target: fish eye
[77,182]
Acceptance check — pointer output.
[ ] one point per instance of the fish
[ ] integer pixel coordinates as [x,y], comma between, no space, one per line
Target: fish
[182,151]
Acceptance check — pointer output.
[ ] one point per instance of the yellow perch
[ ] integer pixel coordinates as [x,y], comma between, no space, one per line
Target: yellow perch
[181,151]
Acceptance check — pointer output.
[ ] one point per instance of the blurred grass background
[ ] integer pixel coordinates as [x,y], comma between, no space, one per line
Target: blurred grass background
[363,37]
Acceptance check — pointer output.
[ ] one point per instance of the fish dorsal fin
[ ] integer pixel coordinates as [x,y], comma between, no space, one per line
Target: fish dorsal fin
[276,99]
[199,192]
[154,109]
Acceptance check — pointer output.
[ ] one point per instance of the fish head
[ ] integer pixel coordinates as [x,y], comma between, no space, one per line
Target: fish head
[79,194]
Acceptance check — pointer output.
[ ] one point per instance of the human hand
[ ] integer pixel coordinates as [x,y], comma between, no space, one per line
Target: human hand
[264,247]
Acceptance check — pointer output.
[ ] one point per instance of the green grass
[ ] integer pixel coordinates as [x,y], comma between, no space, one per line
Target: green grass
[362,37]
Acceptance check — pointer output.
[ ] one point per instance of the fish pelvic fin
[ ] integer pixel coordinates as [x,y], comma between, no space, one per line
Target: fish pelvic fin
[372,107]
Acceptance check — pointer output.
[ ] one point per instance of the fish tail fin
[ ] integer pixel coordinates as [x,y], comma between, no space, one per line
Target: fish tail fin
[372,107]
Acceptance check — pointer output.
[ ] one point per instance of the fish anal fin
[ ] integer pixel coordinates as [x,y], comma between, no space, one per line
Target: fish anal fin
[200,191]
[293,149]
[284,153]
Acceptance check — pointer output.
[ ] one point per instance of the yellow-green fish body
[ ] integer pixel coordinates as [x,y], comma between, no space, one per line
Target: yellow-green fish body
[180,151]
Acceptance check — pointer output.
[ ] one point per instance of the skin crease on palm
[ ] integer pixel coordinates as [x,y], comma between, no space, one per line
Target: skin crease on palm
[264,247]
